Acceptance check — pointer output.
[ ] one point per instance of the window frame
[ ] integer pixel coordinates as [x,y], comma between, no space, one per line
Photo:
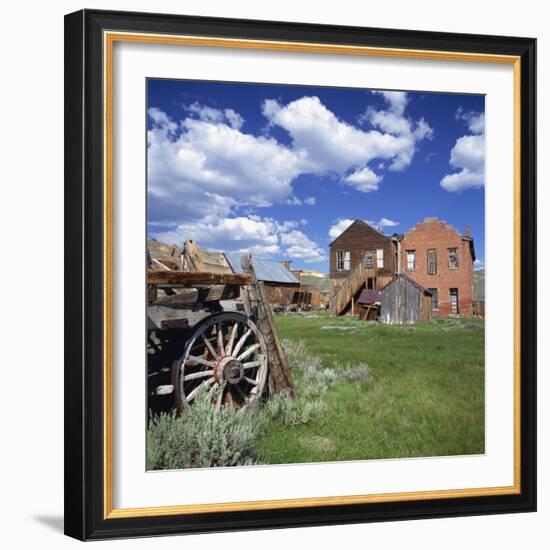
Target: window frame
[343,257]
[435,296]
[456,266]
[413,252]
[457,312]
[429,264]
[380,258]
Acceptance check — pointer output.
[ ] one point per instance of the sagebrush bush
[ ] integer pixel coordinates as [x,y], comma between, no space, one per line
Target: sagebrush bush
[358,373]
[298,357]
[316,382]
[292,412]
[202,436]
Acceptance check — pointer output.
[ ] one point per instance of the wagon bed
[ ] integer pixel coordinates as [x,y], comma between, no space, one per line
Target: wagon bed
[217,327]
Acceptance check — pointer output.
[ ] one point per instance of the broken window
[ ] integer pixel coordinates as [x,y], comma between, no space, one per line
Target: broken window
[435,299]
[342,260]
[369,262]
[432,262]
[379,257]
[411,259]
[453,295]
[453,258]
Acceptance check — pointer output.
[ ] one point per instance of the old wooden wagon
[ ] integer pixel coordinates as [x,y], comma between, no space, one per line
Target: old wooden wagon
[210,326]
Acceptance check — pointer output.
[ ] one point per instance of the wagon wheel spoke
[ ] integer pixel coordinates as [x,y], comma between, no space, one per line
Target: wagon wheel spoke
[220,397]
[241,342]
[193,393]
[251,364]
[251,381]
[209,346]
[200,361]
[219,331]
[229,398]
[229,347]
[241,392]
[248,352]
[197,375]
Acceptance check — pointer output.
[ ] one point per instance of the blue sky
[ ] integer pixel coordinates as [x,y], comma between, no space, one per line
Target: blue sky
[280,170]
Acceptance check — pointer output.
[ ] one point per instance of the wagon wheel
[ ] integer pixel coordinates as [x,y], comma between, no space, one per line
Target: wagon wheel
[227,356]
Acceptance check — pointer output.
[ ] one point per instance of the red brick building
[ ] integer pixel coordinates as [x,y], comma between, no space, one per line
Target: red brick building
[440,259]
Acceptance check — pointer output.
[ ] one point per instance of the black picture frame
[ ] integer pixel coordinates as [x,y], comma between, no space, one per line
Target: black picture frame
[84,282]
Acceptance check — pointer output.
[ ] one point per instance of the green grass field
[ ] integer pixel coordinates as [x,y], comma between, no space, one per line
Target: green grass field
[425,396]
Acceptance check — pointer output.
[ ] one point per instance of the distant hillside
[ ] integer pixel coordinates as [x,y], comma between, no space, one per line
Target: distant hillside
[318,280]
[479,284]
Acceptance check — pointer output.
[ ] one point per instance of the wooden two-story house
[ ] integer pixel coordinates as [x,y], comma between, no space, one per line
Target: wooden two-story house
[360,257]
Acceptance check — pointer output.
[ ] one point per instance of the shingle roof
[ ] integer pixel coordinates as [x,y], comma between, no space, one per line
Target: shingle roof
[368,296]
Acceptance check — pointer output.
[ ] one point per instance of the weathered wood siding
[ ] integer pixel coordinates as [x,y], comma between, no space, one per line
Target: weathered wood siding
[403,302]
[358,239]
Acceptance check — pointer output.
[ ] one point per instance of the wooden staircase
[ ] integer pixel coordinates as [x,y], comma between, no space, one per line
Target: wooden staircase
[341,300]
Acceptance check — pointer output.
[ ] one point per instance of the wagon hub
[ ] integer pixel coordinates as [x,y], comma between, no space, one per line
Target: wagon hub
[230,370]
[233,371]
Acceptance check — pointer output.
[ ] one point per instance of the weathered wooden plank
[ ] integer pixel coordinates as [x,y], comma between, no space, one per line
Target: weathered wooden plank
[160,265]
[280,376]
[197,278]
[202,295]
[192,257]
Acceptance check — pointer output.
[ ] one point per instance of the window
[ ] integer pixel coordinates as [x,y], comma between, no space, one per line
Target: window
[453,258]
[453,295]
[369,263]
[379,257]
[342,260]
[435,299]
[411,259]
[432,262]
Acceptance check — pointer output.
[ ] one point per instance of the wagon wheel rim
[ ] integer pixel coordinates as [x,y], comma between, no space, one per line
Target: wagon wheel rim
[227,356]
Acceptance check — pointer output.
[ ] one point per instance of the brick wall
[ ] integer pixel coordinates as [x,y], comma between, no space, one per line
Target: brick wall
[437,235]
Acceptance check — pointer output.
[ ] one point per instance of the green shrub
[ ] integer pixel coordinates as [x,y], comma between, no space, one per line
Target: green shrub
[292,412]
[358,373]
[298,357]
[201,437]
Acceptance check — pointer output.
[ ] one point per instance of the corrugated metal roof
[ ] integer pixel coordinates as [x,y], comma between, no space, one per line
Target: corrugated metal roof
[368,296]
[266,270]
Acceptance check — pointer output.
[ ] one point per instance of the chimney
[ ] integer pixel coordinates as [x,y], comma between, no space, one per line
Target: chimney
[286,263]
[467,234]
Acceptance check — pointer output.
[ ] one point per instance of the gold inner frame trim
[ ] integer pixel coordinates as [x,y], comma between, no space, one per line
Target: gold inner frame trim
[109,39]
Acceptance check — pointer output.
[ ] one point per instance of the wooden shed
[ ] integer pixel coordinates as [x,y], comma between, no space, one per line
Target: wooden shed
[405,301]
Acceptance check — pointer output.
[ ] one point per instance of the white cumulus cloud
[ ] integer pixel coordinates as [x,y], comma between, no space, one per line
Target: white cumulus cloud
[364,180]
[265,237]
[382,222]
[323,143]
[206,168]
[338,227]
[467,155]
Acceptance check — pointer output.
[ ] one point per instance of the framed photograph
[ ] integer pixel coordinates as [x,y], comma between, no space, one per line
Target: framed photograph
[300,274]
